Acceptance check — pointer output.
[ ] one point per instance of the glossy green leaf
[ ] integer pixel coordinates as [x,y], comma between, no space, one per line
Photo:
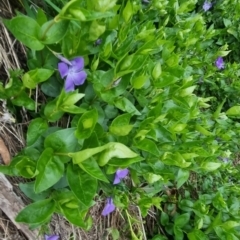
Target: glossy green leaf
[33,77]
[86,124]
[233,111]
[148,146]
[62,141]
[28,190]
[35,129]
[182,177]
[197,235]
[118,162]
[120,125]
[115,149]
[138,82]
[23,100]
[83,155]
[50,169]
[182,220]
[96,30]
[37,212]
[28,34]
[126,106]
[77,217]
[91,167]
[157,71]
[210,166]
[128,11]
[52,112]
[82,184]
[52,31]
[25,166]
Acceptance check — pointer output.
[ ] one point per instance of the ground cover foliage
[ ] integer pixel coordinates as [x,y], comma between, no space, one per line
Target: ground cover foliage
[149,87]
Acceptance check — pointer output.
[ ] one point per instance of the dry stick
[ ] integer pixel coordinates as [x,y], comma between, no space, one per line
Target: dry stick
[143,229]
[11,205]
[11,46]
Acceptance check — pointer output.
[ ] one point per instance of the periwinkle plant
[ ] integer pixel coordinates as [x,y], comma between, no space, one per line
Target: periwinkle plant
[139,109]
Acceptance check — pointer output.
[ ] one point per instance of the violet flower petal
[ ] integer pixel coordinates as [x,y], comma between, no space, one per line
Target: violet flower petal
[120,174]
[207,6]
[51,237]
[219,63]
[110,207]
[79,78]
[117,180]
[69,84]
[77,64]
[63,69]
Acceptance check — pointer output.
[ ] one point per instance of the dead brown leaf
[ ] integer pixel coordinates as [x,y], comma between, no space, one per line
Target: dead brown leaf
[4,152]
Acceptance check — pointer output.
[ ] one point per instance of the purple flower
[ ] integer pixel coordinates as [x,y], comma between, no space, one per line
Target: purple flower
[120,174]
[110,207]
[206,6]
[73,71]
[219,63]
[51,237]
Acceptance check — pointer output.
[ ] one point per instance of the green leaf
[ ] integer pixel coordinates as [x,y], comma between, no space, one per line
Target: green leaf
[25,166]
[91,167]
[86,124]
[28,190]
[164,219]
[157,71]
[51,87]
[41,17]
[69,98]
[138,82]
[81,156]
[37,212]
[182,177]
[229,225]
[52,112]
[165,80]
[233,111]
[77,217]
[50,170]
[62,141]
[210,166]
[82,184]
[128,11]
[182,220]
[72,10]
[178,233]
[26,30]
[218,110]
[53,32]
[33,77]
[120,125]
[23,100]
[148,146]
[96,30]
[7,170]
[119,162]
[197,235]
[35,129]
[125,105]
[115,149]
